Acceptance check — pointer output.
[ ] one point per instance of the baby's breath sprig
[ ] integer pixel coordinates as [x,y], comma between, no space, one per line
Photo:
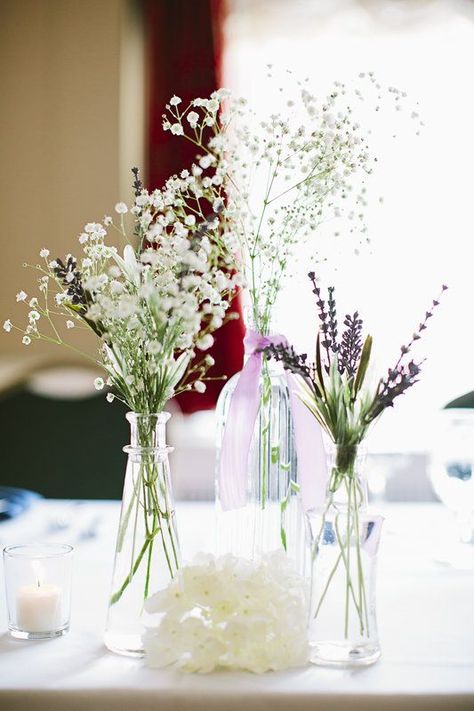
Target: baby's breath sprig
[280,177]
[156,305]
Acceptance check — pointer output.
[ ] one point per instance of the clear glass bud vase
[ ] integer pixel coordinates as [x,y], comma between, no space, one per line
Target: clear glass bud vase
[272,516]
[147,552]
[343,541]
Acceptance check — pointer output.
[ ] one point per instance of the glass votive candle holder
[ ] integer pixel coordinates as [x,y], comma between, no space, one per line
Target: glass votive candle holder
[38,589]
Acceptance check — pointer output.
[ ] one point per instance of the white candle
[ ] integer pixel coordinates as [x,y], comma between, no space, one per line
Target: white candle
[39,608]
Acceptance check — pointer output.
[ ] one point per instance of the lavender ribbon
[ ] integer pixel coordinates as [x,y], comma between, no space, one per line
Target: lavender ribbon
[239,428]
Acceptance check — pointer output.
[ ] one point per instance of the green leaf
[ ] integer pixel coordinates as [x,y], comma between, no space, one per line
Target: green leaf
[275,453]
[283,538]
[363,365]
[319,369]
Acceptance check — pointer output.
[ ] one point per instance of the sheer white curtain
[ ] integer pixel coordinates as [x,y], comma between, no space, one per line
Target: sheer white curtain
[422,232]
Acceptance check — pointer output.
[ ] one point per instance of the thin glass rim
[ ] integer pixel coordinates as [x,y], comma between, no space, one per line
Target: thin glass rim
[56,550]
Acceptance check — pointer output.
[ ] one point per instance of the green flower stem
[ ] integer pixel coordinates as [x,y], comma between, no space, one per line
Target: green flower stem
[343,552]
[348,560]
[265,404]
[117,595]
[344,474]
[148,566]
[148,489]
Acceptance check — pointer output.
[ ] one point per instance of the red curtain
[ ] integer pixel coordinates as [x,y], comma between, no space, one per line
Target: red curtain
[184,46]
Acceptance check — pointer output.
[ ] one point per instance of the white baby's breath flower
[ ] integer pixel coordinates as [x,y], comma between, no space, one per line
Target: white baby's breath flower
[199,386]
[83,238]
[175,100]
[209,360]
[121,208]
[205,342]
[33,303]
[230,613]
[193,118]
[110,397]
[107,220]
[176,129]
[190,220]
[21,296]
[99,383]
[26,340]
[70,324]
[7,325]
[33,316]
[92,227]
[44,253]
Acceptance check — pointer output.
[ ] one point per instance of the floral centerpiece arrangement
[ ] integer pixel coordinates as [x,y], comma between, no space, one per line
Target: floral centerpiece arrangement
[283,175]
[335,390]
[153,309]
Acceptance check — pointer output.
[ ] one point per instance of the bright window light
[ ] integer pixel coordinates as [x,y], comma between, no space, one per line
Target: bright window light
[422,232]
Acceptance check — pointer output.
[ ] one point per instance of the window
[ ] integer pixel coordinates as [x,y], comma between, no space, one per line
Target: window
[422,232]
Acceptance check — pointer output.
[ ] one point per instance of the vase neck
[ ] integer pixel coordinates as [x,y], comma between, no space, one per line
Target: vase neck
[347,482]
[253,322]
[148,430]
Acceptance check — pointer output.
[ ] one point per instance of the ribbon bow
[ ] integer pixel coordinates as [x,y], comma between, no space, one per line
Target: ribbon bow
[239,428]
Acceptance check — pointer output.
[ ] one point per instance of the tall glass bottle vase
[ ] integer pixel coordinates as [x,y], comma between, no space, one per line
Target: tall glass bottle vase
[343,540]
[147,553]
[272,517]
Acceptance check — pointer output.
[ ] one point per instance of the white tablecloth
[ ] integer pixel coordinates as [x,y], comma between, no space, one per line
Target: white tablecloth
[425,609]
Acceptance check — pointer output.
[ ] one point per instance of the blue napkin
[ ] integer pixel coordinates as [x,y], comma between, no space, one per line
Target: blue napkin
[14,501]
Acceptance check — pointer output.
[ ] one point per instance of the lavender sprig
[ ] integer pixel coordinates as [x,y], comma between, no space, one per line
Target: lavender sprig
[351,345]
[336,401]
[323,319]
[71,279]
[137,183]
[404,350]
[398,380]
[295,362]
[332,320]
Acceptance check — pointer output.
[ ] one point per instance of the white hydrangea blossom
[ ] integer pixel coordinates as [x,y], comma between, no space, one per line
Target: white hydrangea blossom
[230,613]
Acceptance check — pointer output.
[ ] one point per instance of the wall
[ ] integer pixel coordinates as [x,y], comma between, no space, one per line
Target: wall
[71,125]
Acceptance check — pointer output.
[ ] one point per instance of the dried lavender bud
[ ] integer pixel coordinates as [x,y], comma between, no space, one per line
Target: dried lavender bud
[422,326]
[332,320]
[325,327]
[292,361]
[351,345]
[137,183]
[398,381]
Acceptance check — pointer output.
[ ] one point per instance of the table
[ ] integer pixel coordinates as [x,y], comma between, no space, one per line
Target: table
[425,612]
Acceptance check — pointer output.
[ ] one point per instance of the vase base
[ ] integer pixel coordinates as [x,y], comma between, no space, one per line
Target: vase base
[128,645]
[344,654]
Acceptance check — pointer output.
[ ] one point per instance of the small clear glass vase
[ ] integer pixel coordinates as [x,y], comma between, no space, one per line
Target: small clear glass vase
[343,540]
[272,517]
[147,552]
